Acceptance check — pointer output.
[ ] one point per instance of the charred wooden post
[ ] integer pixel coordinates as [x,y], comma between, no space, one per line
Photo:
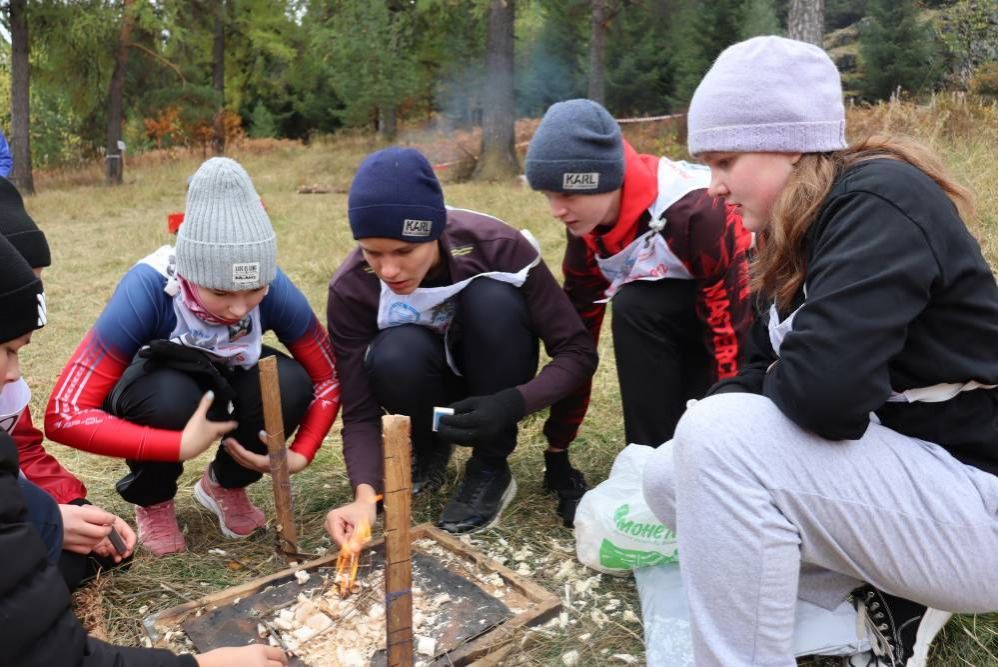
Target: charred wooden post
[273,419]
[396,447]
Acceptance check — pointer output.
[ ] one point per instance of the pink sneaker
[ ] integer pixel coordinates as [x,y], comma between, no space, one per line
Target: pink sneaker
[158,529]
[237,516]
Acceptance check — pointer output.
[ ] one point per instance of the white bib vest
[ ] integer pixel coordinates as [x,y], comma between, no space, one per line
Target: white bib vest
[434,307]
[936,393]
[649,257]
[238,344]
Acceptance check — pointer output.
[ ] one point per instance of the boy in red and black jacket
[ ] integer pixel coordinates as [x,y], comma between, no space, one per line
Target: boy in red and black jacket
[643,233]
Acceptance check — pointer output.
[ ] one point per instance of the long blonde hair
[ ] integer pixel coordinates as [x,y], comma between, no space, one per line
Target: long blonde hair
[780,265]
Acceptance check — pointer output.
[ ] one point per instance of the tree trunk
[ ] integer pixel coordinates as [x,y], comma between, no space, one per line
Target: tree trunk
[806,21]
[218,78]
[388,123]
[20,95]
[388,109]
[115,156]
[597,52]
[498,156]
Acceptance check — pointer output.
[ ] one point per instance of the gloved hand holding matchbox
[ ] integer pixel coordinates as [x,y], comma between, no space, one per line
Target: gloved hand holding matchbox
[480,421]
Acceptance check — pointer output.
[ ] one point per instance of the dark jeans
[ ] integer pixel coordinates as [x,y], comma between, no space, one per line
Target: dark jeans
[492,342]
[44,515]
[166,398]
[78,569]
[662,360]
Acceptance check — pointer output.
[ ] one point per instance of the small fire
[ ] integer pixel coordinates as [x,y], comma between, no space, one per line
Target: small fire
[349,558]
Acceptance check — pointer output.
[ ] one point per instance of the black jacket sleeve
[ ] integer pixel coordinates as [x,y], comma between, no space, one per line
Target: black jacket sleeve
[37,627]
[757,357]
[870,273]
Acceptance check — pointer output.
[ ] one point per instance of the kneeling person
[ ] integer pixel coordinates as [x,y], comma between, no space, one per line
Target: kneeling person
[643,233]
[443,306]
[171,366]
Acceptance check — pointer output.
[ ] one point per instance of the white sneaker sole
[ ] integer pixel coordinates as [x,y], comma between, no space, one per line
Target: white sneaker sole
[209,504]
[507,498]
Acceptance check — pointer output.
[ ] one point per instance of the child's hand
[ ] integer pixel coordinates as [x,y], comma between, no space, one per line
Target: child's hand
[254,655]
[106,548]
[261,462]
[84,527]
[342,522]
[199,432]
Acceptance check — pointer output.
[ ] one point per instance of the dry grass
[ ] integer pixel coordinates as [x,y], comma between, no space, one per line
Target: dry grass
[96,233]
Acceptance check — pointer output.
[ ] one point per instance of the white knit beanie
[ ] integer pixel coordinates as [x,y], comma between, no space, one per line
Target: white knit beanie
[768,94]
[226,241]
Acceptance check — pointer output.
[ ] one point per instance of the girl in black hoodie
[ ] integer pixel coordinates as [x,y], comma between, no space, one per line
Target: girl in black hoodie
[857,450]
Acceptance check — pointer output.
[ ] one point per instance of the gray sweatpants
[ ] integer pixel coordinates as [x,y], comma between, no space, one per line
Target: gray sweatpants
[766,512]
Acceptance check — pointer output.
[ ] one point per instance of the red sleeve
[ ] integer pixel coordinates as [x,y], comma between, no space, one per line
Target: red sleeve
[584,285]
[74,415]
[714,247]
[314,352]
[40,467]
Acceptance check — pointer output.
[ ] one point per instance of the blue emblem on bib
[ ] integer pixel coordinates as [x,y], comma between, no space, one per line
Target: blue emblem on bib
[402,313]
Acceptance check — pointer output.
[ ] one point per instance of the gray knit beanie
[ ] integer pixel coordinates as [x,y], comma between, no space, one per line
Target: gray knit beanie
[768,94]
[226,241]
[577,148]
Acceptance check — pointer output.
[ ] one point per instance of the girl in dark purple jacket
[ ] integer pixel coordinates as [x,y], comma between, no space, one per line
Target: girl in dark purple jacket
[445,307]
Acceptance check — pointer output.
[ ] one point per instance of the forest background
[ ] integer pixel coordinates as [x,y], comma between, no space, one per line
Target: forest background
[80,76]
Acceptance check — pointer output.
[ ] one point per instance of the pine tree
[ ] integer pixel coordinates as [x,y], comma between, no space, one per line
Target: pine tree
[703,28]
[759,18]
[262,122]
[896,50]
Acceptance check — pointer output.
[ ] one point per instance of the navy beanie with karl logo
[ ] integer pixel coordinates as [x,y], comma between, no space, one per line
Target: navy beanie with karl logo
[396,195]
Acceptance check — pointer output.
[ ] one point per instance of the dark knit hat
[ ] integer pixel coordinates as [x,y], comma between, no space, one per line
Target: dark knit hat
[577,149]
[396,195]
[18,227]
[22,299]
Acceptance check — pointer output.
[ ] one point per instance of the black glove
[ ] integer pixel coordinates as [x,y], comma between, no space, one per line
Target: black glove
[481,420]
[208,370]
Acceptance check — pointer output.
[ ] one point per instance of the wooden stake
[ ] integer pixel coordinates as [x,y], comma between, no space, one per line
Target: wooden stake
[273,419]
[398,556]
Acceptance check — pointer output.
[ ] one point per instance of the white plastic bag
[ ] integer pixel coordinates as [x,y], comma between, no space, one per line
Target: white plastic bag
[666,619]
[615,531]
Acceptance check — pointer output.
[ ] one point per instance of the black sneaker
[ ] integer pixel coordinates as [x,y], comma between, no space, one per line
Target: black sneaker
[900,631]
[569,485]
[484,492]
[429,469]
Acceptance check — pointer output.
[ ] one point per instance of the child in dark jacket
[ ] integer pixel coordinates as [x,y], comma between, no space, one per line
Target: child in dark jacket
[436,307]
[643,234]
[85,547]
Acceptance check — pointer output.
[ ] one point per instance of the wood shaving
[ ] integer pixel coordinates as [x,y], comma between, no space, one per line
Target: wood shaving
[570,659]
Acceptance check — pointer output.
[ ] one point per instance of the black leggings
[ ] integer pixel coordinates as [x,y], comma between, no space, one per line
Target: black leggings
[662,360]
[492,342]
[166,398]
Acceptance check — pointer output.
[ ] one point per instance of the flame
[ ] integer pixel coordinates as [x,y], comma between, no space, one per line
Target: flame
[349,558]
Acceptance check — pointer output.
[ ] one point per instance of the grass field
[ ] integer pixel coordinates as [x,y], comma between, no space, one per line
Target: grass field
[97,233]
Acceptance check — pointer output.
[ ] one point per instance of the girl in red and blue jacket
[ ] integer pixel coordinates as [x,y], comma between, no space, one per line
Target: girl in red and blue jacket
[171,364]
